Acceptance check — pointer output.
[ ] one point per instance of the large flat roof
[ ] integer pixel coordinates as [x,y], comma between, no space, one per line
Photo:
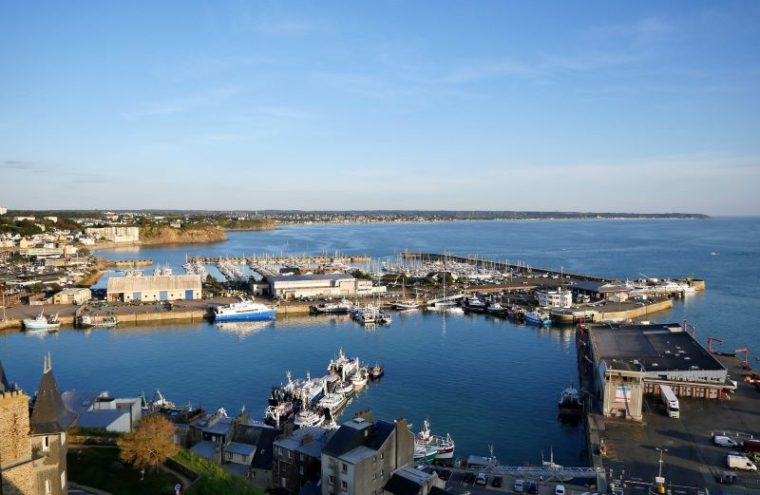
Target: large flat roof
[656,347]
[308,278]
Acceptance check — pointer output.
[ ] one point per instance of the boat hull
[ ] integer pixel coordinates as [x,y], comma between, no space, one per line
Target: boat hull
[252,316]
[33,325]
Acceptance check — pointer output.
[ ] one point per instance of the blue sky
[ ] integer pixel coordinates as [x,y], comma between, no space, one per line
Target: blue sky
[603,106]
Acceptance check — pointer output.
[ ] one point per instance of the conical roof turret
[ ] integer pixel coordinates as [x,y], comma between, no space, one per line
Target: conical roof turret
[50,414]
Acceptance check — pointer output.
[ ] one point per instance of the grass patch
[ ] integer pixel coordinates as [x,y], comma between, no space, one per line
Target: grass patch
[95,467]
[213,479]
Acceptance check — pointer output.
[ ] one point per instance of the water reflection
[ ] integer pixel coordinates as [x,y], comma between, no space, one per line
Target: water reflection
[243,329]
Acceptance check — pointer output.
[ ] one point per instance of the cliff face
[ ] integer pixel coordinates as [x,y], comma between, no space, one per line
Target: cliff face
[169,235]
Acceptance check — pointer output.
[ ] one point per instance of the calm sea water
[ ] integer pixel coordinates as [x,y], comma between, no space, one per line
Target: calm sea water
[485,381]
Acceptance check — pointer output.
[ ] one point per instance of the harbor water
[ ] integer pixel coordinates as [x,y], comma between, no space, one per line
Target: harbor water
[483,380]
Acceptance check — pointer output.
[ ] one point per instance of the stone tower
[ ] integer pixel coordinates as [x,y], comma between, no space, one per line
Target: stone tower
[17,476]
[47,428]
[33,449]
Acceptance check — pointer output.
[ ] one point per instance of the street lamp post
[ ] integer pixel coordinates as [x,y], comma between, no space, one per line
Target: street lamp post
[661,451]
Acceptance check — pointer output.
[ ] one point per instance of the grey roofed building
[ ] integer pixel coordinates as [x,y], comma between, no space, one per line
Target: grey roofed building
[410,481]
[656,348]
[49,413]
[100,410]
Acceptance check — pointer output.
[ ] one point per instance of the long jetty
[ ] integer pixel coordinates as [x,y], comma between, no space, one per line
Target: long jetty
[499,265]
[316,260]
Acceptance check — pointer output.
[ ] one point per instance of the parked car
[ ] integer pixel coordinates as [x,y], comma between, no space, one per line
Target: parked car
[559,490]
[727,478]
[533,488]
[481,479]
[519,486]
[497,481]
[725,441]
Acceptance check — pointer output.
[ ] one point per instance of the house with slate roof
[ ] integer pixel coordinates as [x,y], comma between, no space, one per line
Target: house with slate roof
[361,456]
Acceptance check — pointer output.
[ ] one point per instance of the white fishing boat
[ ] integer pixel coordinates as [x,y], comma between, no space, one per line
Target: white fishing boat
[333,403]
[312,388]
[360,378]
[308,417]
[42,322]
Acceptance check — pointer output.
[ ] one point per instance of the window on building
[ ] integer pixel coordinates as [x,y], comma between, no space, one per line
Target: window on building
[332,480]
[382,455]
[374,476]
[345,467]
[344,485]
[382,473]
[45,443]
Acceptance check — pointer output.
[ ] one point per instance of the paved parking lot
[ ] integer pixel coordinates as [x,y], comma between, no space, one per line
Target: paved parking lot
[692,459]
[457,485]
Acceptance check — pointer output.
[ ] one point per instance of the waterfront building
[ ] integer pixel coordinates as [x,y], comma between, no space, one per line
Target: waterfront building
[361,456]
[33,448]
[555,298]
[601,290]
[240,445]
[73,295]
[154,288]
[101,411]
[298,458]
[410,481]
[115,234]
[633,360]
[327,285]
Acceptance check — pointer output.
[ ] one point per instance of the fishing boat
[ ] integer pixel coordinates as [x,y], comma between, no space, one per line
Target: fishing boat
[495,308]
[376,372]
[277,414]
[360,378]
[308,417]
[42,322]
[570,403]
[333,403]
[107,322]
[312,388]
[158,403]
[244,310]
[537,318]
[474,303]
[84,321]
[341,308]
[424,454]
[444,445]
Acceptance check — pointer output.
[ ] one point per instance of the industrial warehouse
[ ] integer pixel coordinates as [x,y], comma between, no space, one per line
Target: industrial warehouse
[633,360]
[154,288]
[327,285]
